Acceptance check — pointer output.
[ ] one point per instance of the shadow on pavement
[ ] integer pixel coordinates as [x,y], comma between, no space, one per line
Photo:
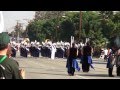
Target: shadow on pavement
[95,75]
[48,73]
[56,70]
[99,62]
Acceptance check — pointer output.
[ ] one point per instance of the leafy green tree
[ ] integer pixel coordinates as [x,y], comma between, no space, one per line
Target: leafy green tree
[45,15]
[35,31]
[67,30]
[18,30]
[100,26]
[116,22]
[49,29]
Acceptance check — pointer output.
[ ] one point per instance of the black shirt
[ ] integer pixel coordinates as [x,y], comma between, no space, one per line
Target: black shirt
[73,53]
[87,50]
[11,68]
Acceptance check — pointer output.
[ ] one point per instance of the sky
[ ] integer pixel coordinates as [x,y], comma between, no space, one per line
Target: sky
[11,17]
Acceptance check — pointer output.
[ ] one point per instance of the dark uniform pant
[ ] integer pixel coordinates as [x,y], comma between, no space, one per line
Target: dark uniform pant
[71,70]
[110,70]
[118,71]
[85,64]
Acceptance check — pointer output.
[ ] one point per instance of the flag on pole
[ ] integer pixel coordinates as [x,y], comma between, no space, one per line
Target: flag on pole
[90,62]
[1,22]
[75,64]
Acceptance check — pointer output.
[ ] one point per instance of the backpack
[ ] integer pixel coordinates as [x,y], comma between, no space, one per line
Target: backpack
[2,68]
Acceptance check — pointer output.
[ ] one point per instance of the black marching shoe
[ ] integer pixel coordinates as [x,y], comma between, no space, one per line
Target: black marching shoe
[70,74]
[118,75]
[111,75]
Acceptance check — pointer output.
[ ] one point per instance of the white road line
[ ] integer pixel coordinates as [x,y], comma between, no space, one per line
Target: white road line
[43,65]
[81,77]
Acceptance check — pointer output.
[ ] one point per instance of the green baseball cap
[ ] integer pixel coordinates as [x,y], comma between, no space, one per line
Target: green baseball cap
[4,38]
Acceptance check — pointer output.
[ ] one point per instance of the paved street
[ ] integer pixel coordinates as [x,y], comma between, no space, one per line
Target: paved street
[60,34]
[45,68]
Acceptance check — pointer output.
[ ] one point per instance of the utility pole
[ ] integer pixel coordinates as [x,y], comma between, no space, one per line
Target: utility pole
[28,21]
[18,30]
[80,31]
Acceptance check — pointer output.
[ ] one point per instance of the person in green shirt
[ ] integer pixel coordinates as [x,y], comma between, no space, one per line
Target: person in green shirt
[11,67]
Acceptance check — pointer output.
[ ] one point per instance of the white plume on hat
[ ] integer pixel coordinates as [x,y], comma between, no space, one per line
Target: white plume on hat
[1,22]
[37,43]
[54,44]
[49,42]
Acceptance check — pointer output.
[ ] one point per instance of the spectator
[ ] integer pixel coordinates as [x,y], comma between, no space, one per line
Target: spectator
[11,67]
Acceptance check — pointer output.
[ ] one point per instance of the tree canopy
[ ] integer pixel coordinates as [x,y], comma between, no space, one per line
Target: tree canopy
[99,26]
